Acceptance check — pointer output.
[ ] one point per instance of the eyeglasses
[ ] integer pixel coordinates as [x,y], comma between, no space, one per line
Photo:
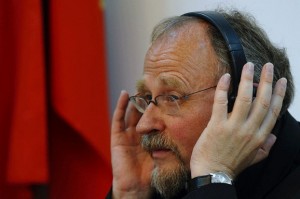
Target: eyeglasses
[169,104]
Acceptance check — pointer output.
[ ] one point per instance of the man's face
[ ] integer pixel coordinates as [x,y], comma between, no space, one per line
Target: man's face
[178,63]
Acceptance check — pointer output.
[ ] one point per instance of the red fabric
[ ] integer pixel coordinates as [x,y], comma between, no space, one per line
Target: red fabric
[78,83]
[22,104]
[64,145]
[79,97]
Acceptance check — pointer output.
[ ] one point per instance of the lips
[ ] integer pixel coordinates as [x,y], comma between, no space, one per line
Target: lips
[160,153]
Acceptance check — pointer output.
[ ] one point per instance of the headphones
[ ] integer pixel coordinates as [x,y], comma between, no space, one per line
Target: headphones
[234,46]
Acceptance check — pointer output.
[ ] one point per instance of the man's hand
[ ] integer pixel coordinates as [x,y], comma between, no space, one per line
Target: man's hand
[232,142]
[131,165]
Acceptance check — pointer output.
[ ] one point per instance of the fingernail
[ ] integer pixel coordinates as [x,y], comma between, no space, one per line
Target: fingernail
[226,79]
[271,139]
[250,67]
[122,92]
[269,67]
[283,83]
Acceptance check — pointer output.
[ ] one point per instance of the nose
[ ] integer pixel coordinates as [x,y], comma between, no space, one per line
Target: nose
[151,120]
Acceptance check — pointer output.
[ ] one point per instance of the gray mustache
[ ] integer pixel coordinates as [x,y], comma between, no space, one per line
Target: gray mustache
[156,141]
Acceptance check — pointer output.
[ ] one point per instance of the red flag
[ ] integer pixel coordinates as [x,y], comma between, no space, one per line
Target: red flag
[23,105]
[54,103]
[80,136]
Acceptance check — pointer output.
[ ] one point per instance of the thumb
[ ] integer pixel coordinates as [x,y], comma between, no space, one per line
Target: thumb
[264,150]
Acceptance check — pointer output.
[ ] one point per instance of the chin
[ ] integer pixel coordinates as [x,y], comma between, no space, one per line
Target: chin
[169,178]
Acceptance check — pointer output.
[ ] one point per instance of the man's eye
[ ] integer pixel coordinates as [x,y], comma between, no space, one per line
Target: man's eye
[174,97]
[148,97]
[169,98]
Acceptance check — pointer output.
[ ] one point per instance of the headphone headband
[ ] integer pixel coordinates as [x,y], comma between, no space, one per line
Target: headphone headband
[234,46]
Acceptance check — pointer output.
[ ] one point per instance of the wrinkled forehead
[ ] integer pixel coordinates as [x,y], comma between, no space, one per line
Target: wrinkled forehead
[182,57]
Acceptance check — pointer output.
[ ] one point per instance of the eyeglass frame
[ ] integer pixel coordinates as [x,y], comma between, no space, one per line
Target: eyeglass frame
[154,101]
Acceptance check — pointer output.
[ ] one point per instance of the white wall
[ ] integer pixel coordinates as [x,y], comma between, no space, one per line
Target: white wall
[129,24]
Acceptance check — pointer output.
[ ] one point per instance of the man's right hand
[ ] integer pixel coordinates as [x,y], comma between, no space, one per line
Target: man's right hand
[131,165]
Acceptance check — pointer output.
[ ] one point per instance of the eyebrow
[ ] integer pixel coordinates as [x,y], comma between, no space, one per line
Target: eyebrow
[140,86]
[168,82]
[171,82]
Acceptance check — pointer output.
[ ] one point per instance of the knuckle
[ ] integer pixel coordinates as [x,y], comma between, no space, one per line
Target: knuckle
[260,140]
[275,111]
[221,100]
[248,133]
[269,80]
[248,137]
[222,87]
[280,92]
[245,99]
[265,103]
[241,131]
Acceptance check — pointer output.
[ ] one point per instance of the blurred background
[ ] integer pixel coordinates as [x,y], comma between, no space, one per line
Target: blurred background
[63,64]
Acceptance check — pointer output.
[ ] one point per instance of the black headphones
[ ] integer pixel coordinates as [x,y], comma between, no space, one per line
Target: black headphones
[234,46]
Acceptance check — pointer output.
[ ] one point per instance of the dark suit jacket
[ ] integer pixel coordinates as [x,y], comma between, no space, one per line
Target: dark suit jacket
[277,177]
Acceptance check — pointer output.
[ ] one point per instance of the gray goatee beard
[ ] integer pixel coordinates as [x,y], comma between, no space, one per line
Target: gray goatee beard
[168,183]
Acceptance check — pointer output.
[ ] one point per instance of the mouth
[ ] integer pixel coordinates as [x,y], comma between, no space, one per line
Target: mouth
[160,153]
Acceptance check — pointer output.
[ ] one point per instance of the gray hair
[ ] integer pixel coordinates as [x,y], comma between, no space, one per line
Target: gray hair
[256,44]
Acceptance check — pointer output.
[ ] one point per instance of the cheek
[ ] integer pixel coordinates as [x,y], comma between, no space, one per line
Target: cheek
[187,129]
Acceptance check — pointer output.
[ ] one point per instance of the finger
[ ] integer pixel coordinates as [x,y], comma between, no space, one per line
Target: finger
[132,116]
[118,123]
[220,105]
[265,149]
[262,101]
[243,101]
[276,104]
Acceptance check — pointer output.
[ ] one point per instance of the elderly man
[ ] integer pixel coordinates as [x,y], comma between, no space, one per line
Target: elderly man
[191,132]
